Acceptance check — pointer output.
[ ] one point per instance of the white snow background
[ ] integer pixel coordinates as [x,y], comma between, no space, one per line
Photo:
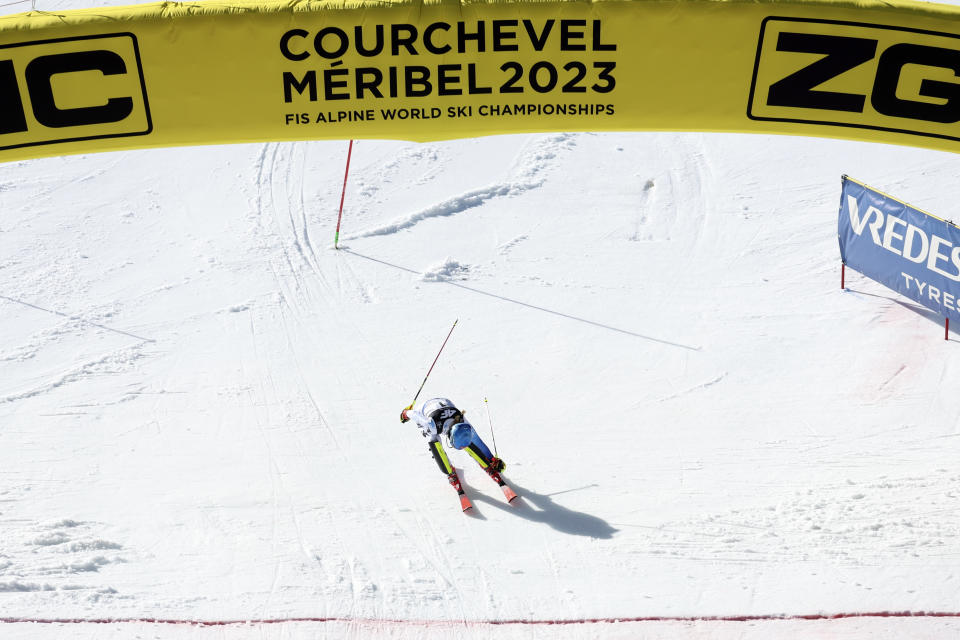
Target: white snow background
[199,396]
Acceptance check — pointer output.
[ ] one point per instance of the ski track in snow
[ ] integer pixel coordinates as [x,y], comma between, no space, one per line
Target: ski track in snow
[705,385]
[851,523]
[368,186]
[506,247]
[110,364]
[645,208]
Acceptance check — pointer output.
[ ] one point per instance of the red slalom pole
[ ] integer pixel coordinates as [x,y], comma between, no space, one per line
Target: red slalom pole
[946,332]
[843,274]
[434,362]
[336,237]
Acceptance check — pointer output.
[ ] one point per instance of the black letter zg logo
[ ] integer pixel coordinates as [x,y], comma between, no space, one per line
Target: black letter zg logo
[858,75]
[841,54]
[50,93]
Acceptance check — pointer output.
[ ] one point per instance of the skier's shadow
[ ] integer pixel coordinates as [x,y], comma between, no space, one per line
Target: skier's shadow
[537,507]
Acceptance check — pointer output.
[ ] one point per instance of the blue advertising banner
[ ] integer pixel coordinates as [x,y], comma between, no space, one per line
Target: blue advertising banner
[910,251]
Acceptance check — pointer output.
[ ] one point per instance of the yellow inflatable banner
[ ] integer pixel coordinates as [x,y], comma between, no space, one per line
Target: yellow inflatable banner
[170,73]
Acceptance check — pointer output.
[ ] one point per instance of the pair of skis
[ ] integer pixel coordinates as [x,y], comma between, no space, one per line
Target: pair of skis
[465,503]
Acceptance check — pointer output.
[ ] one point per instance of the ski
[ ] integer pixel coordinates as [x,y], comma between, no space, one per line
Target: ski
[508,493]
[465,503]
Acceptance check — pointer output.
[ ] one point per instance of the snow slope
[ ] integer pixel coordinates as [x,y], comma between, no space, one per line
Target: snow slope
[199,396]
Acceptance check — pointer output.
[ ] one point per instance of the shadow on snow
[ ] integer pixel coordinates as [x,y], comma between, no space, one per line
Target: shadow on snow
[538,507]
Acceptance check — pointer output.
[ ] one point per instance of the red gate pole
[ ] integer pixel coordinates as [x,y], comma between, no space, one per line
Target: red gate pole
[843,274]
[336,237]
[946,332]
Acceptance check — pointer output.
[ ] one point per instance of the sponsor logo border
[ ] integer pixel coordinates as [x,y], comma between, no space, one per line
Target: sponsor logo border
[756,69]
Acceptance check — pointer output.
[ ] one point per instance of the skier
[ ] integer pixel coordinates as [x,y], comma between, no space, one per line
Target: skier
[439,417]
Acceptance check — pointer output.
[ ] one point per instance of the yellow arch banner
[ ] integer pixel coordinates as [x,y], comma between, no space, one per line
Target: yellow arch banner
[171,74]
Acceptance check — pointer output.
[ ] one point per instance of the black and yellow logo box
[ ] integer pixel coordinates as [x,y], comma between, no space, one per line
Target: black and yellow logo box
[851,74]
[72,89]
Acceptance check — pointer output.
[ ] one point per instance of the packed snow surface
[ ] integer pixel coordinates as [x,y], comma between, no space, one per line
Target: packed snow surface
[200,395]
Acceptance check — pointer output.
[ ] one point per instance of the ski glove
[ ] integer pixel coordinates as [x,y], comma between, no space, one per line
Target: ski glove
[497,464]
[403,414]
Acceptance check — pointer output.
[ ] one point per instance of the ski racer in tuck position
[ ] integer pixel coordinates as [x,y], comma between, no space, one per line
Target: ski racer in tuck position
[440,417]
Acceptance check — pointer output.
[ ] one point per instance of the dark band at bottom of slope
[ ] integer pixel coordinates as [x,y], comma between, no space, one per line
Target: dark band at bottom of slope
[478,623]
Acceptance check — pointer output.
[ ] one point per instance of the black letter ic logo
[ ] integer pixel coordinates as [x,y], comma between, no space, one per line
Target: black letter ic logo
[72,89]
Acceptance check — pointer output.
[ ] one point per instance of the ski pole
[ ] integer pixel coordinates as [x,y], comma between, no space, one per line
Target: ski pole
[490,422]
[434,362]
[343,194]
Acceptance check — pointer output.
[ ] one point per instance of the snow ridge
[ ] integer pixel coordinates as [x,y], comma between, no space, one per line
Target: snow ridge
[531,170]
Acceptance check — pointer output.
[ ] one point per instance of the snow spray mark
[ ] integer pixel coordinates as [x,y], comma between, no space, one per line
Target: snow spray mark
[452,206]
[450,269]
